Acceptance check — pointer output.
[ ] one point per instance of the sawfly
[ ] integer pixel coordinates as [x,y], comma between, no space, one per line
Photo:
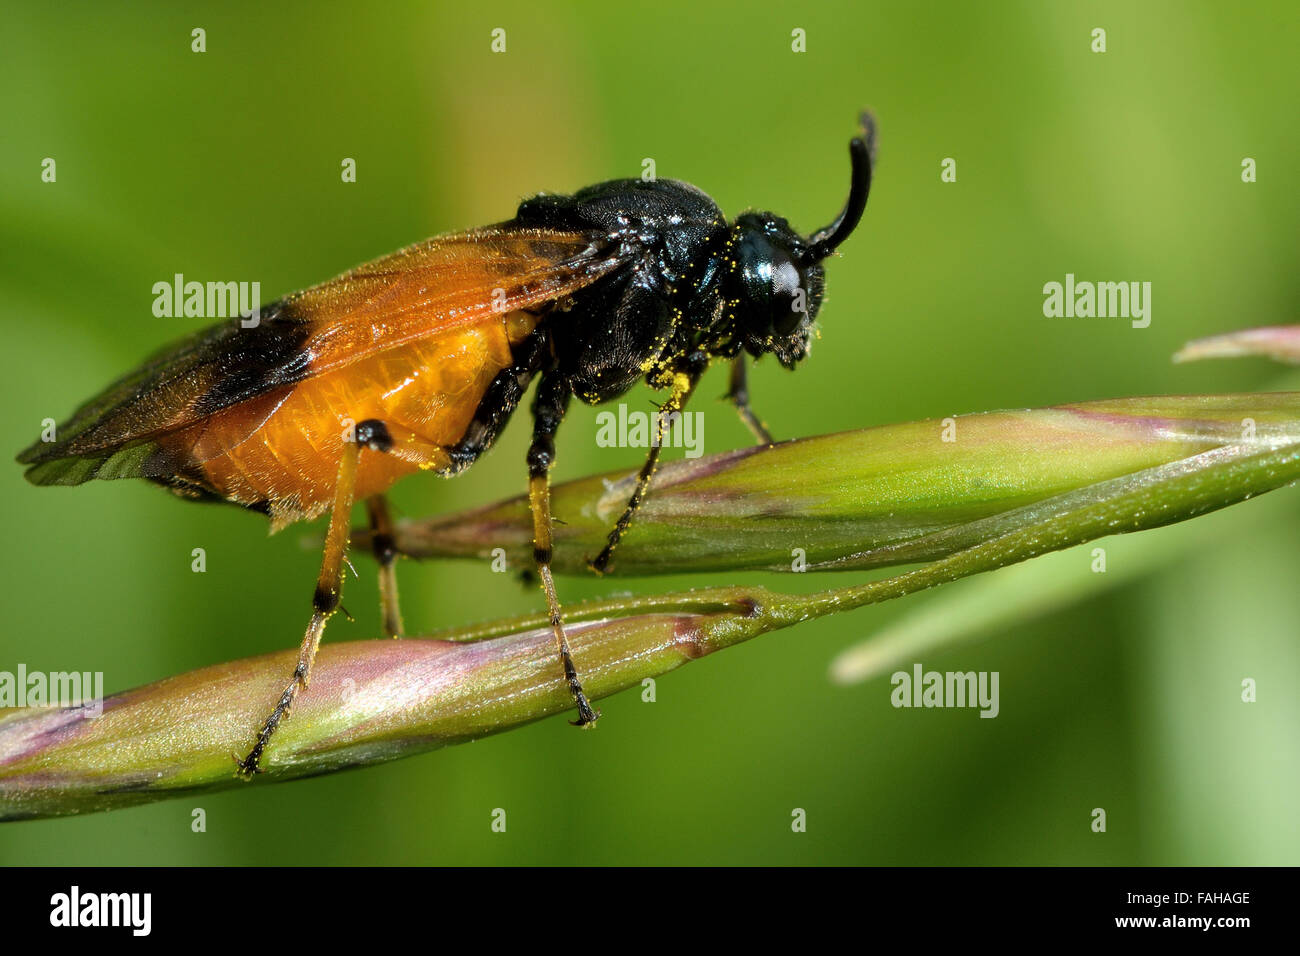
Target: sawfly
[416,361]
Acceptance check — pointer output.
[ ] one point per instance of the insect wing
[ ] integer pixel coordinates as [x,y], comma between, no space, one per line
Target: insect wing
[435,287]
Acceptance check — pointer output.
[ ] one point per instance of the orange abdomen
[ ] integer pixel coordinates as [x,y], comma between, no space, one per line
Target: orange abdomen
[426,391]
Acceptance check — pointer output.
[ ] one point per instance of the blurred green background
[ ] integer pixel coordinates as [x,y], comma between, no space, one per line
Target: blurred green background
[1117,166]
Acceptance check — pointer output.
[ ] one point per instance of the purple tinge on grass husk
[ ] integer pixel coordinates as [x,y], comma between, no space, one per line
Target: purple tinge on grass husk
[369,701]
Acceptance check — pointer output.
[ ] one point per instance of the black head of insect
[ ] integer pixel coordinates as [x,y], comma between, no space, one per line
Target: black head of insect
[775,283]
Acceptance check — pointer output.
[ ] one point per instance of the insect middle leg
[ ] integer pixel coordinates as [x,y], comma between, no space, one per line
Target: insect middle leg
[385,550]
[682,384]
[549,406]
[504,393]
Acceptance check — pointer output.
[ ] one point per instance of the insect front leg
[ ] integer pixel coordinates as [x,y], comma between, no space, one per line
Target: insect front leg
[329,583]
[682,384]
[738,394]
[385,550]
[549,406]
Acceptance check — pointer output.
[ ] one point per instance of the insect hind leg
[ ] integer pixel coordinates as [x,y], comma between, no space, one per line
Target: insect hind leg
[325,601]
[372,435]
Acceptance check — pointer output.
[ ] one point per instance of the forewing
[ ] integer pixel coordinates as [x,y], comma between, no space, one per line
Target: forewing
[431,288]
[444,284]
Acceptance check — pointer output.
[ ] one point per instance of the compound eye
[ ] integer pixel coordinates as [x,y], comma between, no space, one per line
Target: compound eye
[774,290]
[788,299]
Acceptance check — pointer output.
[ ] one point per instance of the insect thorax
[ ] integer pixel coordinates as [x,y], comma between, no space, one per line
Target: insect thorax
[660,302]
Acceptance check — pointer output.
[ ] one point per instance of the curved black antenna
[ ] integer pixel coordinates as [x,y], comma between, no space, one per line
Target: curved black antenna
[862,154]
